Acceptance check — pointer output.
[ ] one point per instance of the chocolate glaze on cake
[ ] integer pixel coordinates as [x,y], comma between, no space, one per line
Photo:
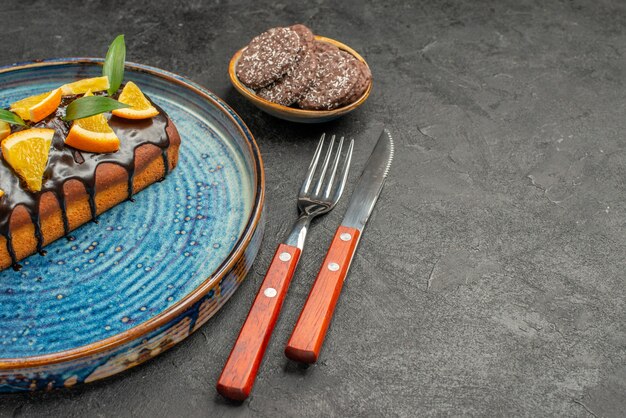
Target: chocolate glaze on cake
[67,163]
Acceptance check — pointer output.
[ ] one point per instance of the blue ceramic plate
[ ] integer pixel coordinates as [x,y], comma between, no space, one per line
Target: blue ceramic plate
[150,271]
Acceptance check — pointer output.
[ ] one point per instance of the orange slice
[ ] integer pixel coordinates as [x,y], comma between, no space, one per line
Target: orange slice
[141,108]
[1,193]
[5,130]
[83,86]
[36,108]
[93,134]
[27,153]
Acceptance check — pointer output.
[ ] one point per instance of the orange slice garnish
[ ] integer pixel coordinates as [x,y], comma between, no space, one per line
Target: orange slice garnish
[36,108]
[141,108]
[92,134]
[1,193]
[5,130]
[83,86]
[27,153]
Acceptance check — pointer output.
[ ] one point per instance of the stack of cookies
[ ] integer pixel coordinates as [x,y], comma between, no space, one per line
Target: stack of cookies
[289,67]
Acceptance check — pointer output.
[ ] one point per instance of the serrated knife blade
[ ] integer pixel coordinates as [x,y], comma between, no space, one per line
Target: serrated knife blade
[370,183]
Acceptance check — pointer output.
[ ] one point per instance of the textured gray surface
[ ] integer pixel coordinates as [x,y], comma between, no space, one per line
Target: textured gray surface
[490,280]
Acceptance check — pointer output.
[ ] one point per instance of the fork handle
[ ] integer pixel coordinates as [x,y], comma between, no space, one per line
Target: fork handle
[238,375]
[308,335]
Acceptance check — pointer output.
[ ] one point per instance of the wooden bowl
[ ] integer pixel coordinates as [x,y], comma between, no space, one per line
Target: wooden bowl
[294,114]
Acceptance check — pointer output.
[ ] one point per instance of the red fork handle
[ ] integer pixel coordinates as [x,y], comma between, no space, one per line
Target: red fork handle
[238,376]
[308,335]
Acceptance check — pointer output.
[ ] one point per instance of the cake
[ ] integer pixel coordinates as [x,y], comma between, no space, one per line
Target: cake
[77,185]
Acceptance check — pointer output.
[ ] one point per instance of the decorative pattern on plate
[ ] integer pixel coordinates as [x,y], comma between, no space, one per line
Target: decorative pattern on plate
[135,284]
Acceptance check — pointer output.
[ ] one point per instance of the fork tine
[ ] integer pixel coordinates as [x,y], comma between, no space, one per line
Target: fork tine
[329,152]
[334,172]
[345,171]
[312,166]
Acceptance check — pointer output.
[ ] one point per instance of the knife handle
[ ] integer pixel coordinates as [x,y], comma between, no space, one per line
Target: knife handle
[238,375]
[308,335]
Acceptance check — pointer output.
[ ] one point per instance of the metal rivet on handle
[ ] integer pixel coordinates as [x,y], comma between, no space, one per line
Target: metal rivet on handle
[284,256]
[345,236]
[270,292]
[333,266]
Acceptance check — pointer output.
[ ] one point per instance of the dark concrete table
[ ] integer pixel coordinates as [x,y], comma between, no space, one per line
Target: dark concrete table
[491,279]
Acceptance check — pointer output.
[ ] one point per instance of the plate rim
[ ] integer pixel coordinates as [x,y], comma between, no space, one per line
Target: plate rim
[185,303]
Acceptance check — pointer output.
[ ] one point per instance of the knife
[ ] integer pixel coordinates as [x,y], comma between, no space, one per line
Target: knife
[308,334]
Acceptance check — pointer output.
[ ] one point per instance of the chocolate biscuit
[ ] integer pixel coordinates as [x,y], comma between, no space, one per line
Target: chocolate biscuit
[365,78]
[335,79]
[268,57]
[324,47]
[304,33]
[295,83]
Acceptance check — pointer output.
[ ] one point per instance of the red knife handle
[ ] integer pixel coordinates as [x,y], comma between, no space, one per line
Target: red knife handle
[308,335]
[238,376]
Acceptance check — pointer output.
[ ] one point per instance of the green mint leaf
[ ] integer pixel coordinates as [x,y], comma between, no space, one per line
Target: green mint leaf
[10,117]
[114,64]
[91,105]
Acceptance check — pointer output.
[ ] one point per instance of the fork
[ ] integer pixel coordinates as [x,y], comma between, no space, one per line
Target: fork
[240,370]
